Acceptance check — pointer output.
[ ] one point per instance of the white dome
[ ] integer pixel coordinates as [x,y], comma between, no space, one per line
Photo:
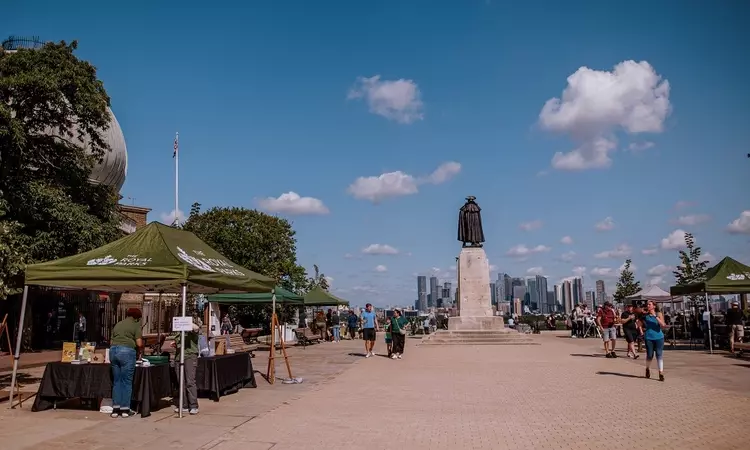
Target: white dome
[114,166]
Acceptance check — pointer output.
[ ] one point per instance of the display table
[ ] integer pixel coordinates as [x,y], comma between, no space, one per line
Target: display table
[63,381]
[224,374]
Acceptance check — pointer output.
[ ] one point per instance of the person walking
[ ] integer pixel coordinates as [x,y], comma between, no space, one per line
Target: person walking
[369,330]
[398,334]
[124,348]
[605,320]
[336,326]
[734,325]
[352,324]
[653,322]
[630,330]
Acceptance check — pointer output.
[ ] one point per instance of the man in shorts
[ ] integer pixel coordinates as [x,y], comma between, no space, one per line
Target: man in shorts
[606,322]
[734,325]
[369,329]
[630,330]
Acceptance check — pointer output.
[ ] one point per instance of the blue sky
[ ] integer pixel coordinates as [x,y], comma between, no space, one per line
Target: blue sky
[307,97]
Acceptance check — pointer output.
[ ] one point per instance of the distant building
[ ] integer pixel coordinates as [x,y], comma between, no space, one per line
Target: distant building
[421,293]
[493,294]
[433,292]
[601,294]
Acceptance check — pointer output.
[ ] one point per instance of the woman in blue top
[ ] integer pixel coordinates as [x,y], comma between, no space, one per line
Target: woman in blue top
[653,322]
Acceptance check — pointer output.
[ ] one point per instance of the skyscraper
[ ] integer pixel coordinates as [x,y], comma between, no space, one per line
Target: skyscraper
[531,289]
[567,292]
[577,290]
[541,286]
[519,292]
[601,294]
[493,294]
[501,293]
[433,290]
[422,293]
[559,297]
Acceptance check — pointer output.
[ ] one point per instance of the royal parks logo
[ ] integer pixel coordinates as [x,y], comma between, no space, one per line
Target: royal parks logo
[738,276]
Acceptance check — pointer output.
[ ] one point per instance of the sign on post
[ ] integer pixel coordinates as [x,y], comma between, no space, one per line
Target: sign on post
[182,323]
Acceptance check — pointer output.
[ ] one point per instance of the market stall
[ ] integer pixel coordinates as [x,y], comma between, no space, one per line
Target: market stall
[156,258]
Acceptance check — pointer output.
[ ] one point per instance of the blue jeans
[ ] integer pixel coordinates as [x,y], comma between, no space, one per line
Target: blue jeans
[655,346]
[123,369]
[337,333]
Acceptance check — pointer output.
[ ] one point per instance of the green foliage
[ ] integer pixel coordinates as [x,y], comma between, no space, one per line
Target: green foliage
[626,285]
[318,280]
[692,268]
[262,243]
[50,102]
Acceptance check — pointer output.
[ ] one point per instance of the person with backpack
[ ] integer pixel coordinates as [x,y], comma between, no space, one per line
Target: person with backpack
[398,334]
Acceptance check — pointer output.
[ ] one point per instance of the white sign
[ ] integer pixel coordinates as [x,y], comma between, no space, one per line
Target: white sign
[182,323]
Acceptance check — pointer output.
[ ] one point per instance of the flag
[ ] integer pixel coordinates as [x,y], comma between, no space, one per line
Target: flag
[176,146]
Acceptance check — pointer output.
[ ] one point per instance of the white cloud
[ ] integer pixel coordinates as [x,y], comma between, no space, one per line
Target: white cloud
[398,183]
[656,281]
[708,257]
[568,256]
[567,240]
[529,226]
[682,204]
[633,268]
[493,268]
[535,271]
[603,272]
[692,219]
[381,268]
[605,225]
[650,251]
[444,172]
[293,203]
[740,225]
[380,249]
[675,240]
[168,218]
[640,146]
[659,270]
[329,280]
[579,271]
[621,251]
[399,100]
[521,251]
[349,256]
[596,104]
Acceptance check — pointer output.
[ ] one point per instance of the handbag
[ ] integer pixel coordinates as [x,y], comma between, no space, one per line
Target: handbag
[400,328]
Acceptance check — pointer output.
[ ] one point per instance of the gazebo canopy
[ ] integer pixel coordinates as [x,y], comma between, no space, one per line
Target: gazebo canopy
[653,293]
[261,298]
[156,258]
[321,297]
[729,276]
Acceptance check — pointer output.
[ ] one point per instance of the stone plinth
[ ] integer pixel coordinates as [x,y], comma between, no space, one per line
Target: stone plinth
[475,307]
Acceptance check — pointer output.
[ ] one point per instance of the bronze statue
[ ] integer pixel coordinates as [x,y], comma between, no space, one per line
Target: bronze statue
[470,231]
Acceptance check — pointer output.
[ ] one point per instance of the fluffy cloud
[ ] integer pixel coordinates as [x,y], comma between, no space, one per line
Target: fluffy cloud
[656,281]
[621,251]
[579,271]
[493,268]
[529,226]
[292,203]
[605,225]
[568,256]
[650,251]
[633,268]
[603,272]
[659,270]
[535,271]
[521,251]
[708,257]
[740,225]
[595,105]
[675,240]
[381,268]
[692,219]
[380,249]
[397,184]
[567,240]
[168,218]
[682,204]
[397,100]
[640,146]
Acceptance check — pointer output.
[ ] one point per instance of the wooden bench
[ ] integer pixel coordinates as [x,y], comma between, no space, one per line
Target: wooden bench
[306,336]
[240,345]
[251,335]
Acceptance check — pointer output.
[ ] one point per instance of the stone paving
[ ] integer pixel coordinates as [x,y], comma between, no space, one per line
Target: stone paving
[453,397]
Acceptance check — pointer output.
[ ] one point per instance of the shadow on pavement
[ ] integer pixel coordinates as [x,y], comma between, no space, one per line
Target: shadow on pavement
[589,355]
[357,354]
[617,374]
[742,365]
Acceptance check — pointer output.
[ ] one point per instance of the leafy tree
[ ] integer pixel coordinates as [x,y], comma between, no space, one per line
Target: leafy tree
[257,241]
[626,285]
[318,280]
[50,103]
[692,268]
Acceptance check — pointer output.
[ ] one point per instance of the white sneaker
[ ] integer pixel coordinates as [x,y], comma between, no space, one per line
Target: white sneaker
[368,355]
[399,356]
[193,411]
[394,356]
[177,410]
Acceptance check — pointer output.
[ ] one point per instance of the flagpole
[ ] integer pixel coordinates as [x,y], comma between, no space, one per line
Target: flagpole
[176,178]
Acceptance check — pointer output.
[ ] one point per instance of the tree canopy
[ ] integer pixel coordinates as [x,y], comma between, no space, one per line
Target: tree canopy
[626,285]
[50,102]
[692,268]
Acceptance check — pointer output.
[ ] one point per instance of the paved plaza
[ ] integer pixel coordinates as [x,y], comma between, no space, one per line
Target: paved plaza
[559,395]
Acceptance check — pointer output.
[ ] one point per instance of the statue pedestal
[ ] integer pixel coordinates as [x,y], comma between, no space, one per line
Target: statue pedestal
[475,307]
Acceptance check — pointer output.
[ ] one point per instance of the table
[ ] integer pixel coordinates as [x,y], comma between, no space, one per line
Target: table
[94,381]
[225,374]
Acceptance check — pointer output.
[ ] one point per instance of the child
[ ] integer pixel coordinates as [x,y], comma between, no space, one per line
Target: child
[388,338]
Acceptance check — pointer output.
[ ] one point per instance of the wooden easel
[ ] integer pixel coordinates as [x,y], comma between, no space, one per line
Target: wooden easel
[5,329]
[271,372]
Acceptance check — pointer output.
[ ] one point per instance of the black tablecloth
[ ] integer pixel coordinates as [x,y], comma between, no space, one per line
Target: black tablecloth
[224,374]
[94,381]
